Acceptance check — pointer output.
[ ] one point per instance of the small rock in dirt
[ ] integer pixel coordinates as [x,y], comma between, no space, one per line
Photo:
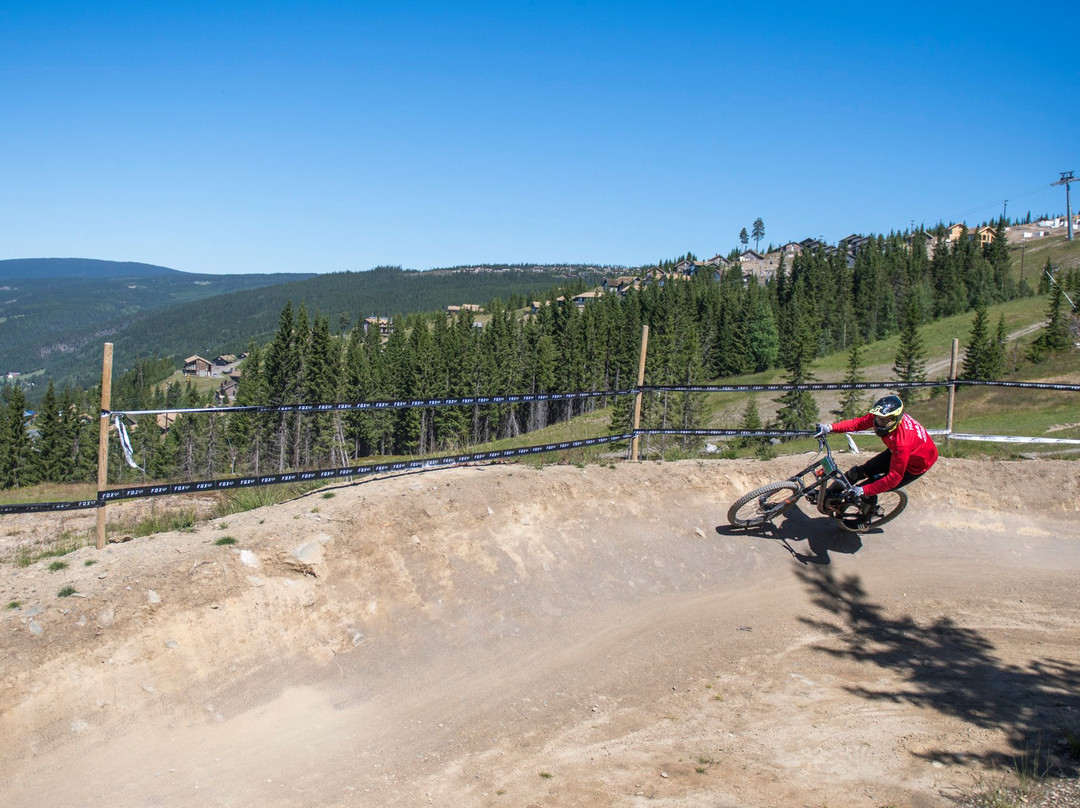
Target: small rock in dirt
[153,597]
[36,629]
[700,532]
[172,644]
[106,617]
[79,726]
[249,559]
[34,611]
[306,558]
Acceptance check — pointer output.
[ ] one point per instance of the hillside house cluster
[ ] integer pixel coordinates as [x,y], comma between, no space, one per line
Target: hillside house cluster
[453,311]
[197,366]
[1021,233]
[381,323]
[224,365]
[226,392]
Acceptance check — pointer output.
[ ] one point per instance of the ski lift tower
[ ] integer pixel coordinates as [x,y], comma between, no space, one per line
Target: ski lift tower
[1066,178]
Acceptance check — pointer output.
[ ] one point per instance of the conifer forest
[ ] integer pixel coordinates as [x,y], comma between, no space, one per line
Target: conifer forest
[702,328]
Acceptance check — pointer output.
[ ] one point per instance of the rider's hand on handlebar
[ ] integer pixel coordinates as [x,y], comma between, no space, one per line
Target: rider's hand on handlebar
[856,491]
[823,430]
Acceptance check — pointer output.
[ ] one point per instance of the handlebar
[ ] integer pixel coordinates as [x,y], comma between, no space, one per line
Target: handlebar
[824,448]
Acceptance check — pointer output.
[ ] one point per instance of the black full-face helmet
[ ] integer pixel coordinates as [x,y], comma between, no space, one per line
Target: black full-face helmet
[887,413]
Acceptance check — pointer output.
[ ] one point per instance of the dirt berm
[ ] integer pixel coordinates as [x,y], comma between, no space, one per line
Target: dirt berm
[513,636]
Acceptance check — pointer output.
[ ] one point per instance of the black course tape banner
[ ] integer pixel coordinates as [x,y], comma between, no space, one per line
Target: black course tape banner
[348,471]
[1031,385]
[472,401]
[41,507]
[733,388]
[740,433]
[464,401]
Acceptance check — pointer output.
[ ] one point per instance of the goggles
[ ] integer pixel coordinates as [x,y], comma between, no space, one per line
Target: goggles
[885,422]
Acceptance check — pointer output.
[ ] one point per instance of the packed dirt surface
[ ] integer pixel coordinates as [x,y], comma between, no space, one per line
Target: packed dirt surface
[511,636]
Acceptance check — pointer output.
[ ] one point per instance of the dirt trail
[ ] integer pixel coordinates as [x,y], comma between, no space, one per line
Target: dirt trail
[509,636]
[938,368]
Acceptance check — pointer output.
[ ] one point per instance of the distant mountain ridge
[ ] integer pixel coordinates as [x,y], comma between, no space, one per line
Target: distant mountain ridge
[52,308]
[38,268]
[53,325]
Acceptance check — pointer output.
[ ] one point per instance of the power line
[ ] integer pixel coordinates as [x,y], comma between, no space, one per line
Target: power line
[963,214]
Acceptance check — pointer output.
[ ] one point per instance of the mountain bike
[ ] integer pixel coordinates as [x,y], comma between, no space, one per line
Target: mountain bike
[823,485]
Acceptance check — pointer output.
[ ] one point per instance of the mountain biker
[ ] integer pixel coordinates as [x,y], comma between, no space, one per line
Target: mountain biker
[909,452]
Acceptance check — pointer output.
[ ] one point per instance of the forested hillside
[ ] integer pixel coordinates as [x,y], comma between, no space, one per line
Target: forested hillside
[46,268]
[53,308]
[226,323]
[701,328]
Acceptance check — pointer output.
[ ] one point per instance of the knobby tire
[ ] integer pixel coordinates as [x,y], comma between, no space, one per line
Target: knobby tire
[762,504]
[890,505]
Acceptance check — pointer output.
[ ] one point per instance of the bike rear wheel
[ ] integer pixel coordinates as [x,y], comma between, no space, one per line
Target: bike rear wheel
[763,504]
[889,506]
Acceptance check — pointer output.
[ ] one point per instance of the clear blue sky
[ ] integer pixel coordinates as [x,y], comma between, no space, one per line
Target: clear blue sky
[325,136]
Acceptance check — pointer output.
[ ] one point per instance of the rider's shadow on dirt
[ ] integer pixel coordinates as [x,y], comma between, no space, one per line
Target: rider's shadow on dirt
[821,534]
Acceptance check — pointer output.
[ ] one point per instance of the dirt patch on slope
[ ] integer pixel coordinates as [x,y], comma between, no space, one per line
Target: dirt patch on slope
[502,635]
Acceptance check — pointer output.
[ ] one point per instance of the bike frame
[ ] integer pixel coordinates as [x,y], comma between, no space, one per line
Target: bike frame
[822,471]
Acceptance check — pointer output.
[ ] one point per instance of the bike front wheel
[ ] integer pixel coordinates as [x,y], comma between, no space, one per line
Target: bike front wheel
[763,504]
[857,519]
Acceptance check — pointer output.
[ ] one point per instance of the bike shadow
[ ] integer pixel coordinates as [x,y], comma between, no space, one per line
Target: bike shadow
[821,534]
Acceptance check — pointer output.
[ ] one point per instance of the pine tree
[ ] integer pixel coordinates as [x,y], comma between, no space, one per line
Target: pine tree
[751,420]
[950,292]
[323,432]
[977,353]
[910,364]
[1045,278]
[245,431]
[1055,336]
[851,404]
[798,409]
[5,436]
[998,255]
[760,334]
[15,445]
[83,429]
[48,460]
[996,361]
[758,232]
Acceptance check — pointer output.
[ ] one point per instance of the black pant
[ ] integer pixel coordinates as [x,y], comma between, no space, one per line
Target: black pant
[875,467]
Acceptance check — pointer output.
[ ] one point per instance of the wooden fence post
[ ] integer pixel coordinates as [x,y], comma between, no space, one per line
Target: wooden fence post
[637,399]
[952,387]
[103,441]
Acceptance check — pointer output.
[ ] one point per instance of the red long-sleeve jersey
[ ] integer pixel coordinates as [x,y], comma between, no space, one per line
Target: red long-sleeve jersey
[913,450]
